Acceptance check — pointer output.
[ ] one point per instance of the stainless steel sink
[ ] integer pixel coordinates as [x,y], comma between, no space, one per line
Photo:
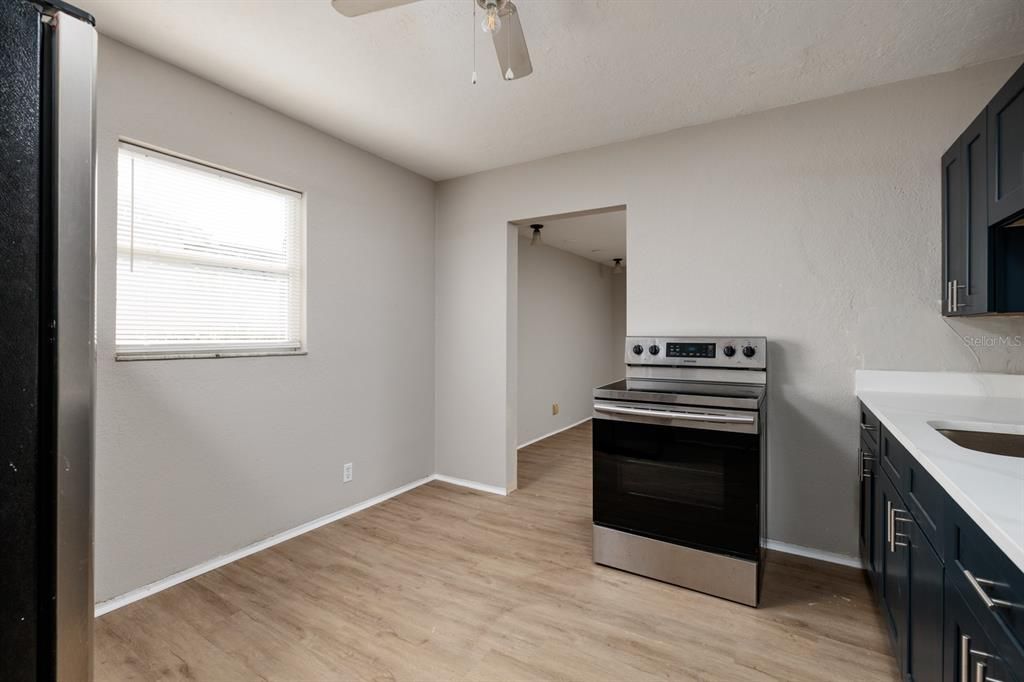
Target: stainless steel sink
[1010,444]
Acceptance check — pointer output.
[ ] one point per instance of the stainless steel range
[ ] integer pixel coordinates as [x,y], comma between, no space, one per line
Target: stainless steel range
[679,464]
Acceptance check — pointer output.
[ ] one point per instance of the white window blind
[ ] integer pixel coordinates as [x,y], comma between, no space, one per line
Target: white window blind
[208,262]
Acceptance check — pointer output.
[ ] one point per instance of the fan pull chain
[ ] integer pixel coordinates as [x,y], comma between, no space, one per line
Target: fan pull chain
[474,42]
[508,34]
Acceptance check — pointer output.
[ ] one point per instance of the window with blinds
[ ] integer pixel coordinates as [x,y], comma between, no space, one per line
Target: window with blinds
[209,263]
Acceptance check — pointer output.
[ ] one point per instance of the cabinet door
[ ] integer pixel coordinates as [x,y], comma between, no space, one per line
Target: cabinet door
[894,564]
[924,657]
[988,579]
[1006,150]
[867,506]
[969,654]
[973,293]
[879,530]
[954,226]
[892,458]
[870,429]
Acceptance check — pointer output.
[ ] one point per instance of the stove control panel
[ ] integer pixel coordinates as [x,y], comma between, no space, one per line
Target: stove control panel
[725,352]
[676,349]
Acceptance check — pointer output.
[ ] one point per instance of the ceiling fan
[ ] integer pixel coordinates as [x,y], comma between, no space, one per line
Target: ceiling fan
[501,20]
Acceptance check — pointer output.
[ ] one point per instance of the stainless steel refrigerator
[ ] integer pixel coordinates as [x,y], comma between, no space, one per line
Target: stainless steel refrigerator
[47,331]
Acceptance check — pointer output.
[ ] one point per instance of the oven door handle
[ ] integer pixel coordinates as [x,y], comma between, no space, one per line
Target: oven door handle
[670,414]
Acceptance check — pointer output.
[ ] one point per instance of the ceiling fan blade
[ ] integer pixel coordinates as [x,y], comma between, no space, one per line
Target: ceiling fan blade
[354,8]
[510,44]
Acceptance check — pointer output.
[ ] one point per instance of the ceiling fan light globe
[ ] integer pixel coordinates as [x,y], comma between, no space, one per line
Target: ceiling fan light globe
[491,22]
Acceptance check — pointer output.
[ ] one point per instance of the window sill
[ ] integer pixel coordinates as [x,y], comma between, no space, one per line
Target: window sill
[202,355]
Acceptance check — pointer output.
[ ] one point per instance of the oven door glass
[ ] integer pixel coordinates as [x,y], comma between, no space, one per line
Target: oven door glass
[688,486]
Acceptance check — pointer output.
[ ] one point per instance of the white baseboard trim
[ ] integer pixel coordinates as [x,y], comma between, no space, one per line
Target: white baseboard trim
[483,487]
[820,555]
[207,566]
[189,573]
[548,435]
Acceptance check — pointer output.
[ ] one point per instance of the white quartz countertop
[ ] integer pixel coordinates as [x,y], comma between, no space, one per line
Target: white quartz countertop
[990,488]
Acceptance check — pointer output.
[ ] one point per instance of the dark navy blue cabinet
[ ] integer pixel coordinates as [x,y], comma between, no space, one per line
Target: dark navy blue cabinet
[967,270]
[893,566]
[977,292]
[990,583]
[868,475]
[924,624]
[970,653]
[954,226]
[1005,115]
[983,210]
[952,600]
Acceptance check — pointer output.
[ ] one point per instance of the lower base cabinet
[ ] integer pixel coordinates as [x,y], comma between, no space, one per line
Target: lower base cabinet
[927,589]
[893,565]
[909,586]
[867,509]
[946,623]
[972,657]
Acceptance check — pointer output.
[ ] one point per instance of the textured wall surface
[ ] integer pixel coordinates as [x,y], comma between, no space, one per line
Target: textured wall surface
[568,342]
[816,225]
[196,458]
[997,342]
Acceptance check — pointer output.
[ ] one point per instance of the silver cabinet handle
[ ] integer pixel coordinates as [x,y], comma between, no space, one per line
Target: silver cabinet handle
[949,306]
[965,658]
[895,534]
[957,305]
[868,427]
[864,459]
[978,583]
[669,414]
[889,530]
[891,520]
[979,589]
[981,669]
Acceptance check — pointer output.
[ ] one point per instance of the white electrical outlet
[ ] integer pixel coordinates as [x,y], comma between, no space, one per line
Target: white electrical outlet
[347,473]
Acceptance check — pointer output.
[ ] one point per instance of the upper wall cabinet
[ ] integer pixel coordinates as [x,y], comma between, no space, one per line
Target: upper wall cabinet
[1006,150]
[965,226]
[983,210]
[954,228]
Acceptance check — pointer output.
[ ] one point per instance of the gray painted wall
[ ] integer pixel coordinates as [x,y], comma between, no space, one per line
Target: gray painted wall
[816,225]
[197,458]
[568,340]
[830,207]
[619,323]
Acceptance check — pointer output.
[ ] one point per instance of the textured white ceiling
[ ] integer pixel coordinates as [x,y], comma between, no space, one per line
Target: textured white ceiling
[600,237]
[397,82]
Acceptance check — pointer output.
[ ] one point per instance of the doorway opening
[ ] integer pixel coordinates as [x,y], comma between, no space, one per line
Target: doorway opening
[567,324]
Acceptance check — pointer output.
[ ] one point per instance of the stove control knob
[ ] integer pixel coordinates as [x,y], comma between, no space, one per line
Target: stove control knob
[729,351]
[748,351]
[654,350]
[638,349]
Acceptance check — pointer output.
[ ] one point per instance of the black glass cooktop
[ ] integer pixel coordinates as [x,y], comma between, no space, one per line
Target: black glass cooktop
[708,393]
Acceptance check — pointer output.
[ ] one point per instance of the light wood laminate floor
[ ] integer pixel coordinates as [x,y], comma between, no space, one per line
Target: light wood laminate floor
[444,583]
